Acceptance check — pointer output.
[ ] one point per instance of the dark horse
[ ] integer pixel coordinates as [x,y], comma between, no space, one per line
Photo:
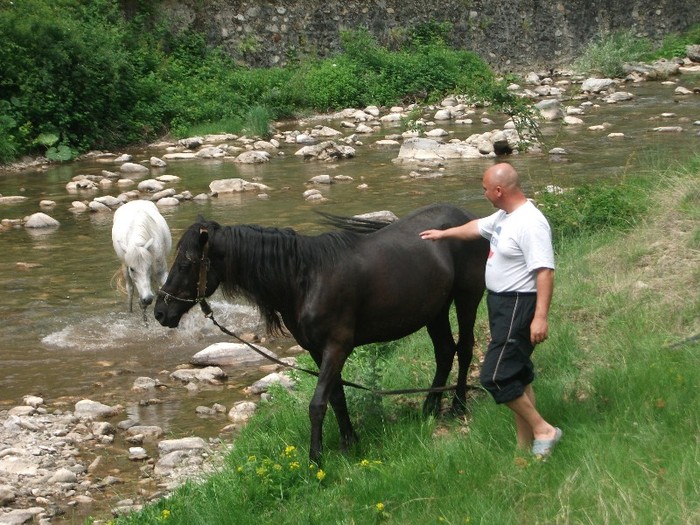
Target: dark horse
[339,290]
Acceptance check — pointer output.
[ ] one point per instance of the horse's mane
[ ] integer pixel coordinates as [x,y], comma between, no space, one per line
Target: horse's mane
[136,255]
[270,265]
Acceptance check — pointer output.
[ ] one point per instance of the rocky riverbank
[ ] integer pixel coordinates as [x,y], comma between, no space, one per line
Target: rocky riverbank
[63,459]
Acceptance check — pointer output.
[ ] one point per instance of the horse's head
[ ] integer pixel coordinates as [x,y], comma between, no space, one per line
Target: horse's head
[191,278]
[138,261]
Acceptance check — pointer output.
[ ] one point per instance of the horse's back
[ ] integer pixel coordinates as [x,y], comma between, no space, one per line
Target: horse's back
[438,216]
[142,219]
[396,282]
[467,258]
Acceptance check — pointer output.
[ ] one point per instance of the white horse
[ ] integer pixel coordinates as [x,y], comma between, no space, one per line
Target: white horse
[142,240]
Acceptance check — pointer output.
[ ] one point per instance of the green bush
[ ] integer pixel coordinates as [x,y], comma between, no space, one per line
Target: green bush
[589,209]
[66,72]
[8,147]
[674,45]
[607,54]
[79,75]
[332,83]
[367,73]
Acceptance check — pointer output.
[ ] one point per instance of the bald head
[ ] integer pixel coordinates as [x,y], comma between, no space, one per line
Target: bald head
[502,187]
[503,175]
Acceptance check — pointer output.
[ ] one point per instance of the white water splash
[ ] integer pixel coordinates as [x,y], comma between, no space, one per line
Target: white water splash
[106,331]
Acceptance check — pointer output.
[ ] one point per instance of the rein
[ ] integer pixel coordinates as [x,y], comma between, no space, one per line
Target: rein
[208,313]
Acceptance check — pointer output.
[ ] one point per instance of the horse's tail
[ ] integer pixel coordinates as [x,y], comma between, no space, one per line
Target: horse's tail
[353,224]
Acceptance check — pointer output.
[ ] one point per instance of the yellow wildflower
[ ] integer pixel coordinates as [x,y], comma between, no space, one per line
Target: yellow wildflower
[320,475]
[380,507]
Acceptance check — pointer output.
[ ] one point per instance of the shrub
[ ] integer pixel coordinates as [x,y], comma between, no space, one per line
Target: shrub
[591,208]
[258,120]
[674,45]
[8,148]
[331,84]
[66,71]
[607,54]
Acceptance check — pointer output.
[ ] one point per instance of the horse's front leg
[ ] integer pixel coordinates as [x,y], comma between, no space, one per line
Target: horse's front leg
[443,343]
[328,388]
[129,289]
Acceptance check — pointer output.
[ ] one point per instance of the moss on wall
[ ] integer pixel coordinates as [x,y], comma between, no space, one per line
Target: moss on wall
[510,35]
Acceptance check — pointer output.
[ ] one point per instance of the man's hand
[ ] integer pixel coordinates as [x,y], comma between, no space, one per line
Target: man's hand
[432,235]
[539,329]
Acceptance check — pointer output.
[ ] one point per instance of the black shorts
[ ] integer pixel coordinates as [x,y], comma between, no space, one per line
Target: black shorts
[507,368]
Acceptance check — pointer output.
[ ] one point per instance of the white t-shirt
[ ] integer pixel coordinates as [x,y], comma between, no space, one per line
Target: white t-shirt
[521,243]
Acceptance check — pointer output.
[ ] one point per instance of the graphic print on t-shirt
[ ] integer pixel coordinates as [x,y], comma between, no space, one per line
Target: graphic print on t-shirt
[494,241]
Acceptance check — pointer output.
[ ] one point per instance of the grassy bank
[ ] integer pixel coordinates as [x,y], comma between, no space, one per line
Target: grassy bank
[610,376]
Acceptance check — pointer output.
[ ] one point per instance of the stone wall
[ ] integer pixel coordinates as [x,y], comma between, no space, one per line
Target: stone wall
[512,35]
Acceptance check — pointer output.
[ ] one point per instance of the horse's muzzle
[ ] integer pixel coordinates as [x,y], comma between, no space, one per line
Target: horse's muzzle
[161,313]
[145,301]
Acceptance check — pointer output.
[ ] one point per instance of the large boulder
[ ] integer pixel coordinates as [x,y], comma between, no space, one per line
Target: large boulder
[327,150]
[598,85]
[550,109]
[230,354]
[88,409]
[235,185]
[693,52]
[41,220]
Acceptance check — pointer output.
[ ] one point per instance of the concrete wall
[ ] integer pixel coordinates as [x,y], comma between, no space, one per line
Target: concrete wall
[512,35]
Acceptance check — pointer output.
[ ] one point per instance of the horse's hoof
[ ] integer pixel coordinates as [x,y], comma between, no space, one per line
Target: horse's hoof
[431,409]
[459,408]
[349,442]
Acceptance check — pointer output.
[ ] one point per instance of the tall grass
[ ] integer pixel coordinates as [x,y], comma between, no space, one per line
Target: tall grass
[626,400]
[608,52]
[674,44]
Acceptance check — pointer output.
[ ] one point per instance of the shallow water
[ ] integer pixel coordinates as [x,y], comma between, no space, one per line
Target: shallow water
[64,328]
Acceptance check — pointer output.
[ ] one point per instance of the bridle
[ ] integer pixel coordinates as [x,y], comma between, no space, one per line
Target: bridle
[201,298]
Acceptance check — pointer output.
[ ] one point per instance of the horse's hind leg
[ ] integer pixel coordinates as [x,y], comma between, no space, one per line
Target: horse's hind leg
[444,346]
[466,306]
[348,437]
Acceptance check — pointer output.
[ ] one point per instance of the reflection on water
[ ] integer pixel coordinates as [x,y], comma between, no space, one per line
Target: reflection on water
[65,328]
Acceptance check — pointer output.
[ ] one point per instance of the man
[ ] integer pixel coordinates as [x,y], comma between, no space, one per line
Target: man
[520,281]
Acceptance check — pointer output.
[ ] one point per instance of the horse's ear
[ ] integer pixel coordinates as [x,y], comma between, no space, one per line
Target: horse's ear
[203,236]
[148,244]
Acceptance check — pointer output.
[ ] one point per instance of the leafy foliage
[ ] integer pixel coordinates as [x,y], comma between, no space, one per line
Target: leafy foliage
[607,54]
[591,208]
[66,72]
[674,45]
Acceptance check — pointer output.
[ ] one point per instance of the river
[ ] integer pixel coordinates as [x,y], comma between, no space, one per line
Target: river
[65,331]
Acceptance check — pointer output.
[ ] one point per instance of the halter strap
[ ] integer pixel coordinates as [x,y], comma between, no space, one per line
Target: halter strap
[201,283]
